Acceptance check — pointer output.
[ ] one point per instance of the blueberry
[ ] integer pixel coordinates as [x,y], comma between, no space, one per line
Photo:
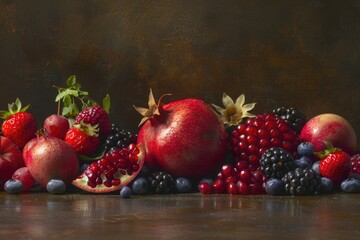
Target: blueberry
[350,185]
[305,149]
[326,185]
[316,166]
[126,192]
[274,186]
[13,186]
[56,186]
[303,162]
[139,186]
[183,185]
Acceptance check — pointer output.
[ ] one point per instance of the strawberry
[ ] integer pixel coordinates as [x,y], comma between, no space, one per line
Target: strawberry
[19,126]
[83,138]
[334,164]
[95,115]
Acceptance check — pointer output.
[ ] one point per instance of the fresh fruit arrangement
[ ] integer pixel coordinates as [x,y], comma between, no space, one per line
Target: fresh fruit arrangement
[182,146]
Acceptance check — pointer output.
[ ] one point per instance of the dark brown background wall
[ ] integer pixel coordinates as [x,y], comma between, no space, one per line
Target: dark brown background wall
[288,53]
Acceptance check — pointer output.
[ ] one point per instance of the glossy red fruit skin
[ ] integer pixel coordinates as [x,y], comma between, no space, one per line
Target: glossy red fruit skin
[23,174]
[81,142]
[10,159]
[187,139]
[336,166]
[95,115]
[49,158]
[219,186]
[204,188]
[19,128]
[331,128]
[56,125]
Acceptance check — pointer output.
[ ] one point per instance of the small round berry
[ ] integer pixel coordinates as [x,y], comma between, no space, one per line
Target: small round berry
[303,162]
[305,149]
[326,185]
[56,186]
[139,186]
[350,185]
[316,167]
[219,186]
[125,192]
[13,186]
[204,188]
[274,186]
[183,185]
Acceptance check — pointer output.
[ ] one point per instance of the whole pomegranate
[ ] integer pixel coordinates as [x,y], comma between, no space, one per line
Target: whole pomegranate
[185,138]
[48,157]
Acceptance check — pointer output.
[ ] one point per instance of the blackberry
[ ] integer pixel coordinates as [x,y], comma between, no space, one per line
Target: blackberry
[161,183]
[292,116]
[302,181]
[276,162]
[118,138]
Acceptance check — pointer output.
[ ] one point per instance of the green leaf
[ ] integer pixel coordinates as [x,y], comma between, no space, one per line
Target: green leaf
[71,81]
[107,103]
[65,111]
[66,92]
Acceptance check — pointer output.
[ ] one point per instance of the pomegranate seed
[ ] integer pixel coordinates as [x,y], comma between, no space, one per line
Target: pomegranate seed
[135,167]
[204,188]
[251,130]
[240,165]
[252,139]
[133,158]
[253,149]
[242,146]
[245,175]
[256,188]
[275,142]
[270,125]
[91,184]
[108,183]
[231,179]
[258,176]
[227,170]
[241,128]
[274,133]
[231,188]
[219,186]
[264,143]
[115,182]
[242,188]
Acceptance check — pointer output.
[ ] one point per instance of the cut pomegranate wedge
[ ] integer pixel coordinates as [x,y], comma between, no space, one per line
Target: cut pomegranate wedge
[112,172]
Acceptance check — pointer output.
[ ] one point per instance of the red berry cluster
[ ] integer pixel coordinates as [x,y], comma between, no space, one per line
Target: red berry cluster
[236,180]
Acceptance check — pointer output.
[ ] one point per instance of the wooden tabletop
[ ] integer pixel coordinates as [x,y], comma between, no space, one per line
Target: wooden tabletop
[181,216]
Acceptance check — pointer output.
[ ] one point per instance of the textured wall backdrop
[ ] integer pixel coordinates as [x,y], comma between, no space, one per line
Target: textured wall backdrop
[288,53]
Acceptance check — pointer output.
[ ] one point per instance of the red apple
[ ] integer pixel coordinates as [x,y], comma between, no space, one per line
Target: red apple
[10,159]
[332,128]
